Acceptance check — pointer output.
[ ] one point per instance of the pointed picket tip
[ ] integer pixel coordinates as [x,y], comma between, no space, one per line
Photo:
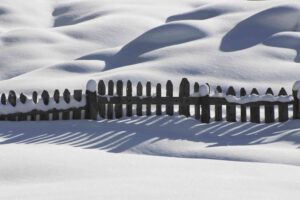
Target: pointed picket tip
[67,96]
[270,91]
[243,92]
[101,87]
[254,91]
[34,97]
[219,89]
[23,98]
[56,96]
[196,87]
[3,99]
[45,96]
[282,92]
[230,91]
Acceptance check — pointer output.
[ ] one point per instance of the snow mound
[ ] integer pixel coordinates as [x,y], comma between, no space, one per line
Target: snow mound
[260,26]
[208,11]
[163,36]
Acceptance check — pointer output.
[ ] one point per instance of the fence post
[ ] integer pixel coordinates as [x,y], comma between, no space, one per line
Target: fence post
[45,96]
[77,95]
[118,106]
[110,114]
[129,95]
[34,99]
[269,109]
[12,99]
[184,93]
[169,93]
[55,113]
[205,107]
[22,116]
[148,94]
[231,108]
[101,92]
[67,99]
[197,105]
[139,92]
[243,107]
[158,95]
[283,114]
[218,108]
[296,103]
[3,102]
[254,109]
[91,100]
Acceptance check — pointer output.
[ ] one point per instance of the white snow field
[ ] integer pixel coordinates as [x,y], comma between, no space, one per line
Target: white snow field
[58,44]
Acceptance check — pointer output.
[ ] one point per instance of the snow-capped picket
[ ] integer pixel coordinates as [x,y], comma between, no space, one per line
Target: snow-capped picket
[91,85]
[296,87]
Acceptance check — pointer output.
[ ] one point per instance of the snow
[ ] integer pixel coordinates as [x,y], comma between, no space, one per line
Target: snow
[61,160]
[203,91]
[254,98]
[48,45]
[30,105]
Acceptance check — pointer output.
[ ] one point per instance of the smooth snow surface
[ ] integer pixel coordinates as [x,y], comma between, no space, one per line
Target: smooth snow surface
[62,44]
[61,160]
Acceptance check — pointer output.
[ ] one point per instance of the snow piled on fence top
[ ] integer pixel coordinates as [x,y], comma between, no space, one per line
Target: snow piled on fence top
[62,44]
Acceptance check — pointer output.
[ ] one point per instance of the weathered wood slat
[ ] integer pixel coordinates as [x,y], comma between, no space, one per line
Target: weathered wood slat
[118,106]
[110,114]
[56,98]
[255,109]
[158,96]
[269,109]
[129,95]
[283,108]
[243,107]
[23,100]
[12,100]
[197,105]
[139,92]
[296,105]
[33,116]
[78,97]
[184,91]
[67,99]
[46,98]
[169,94]
[3,102]
[231,109]
[148,94]
[218,107]
[102,92]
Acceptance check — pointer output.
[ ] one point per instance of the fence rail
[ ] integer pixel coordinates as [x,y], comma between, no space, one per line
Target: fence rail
[115,100]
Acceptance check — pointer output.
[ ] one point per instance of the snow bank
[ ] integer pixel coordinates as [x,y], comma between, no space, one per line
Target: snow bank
[255,98]
[30,105]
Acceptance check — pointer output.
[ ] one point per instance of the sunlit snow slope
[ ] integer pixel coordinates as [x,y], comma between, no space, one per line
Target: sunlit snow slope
[57,44]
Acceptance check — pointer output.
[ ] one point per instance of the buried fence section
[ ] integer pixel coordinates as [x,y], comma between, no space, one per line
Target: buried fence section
[269,109]
[254,108]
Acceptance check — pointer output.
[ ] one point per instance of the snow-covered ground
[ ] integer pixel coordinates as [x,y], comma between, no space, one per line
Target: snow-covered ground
[61,160]
[49,44]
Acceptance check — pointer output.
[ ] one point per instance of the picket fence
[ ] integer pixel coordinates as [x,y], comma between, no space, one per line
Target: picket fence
[108,101]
